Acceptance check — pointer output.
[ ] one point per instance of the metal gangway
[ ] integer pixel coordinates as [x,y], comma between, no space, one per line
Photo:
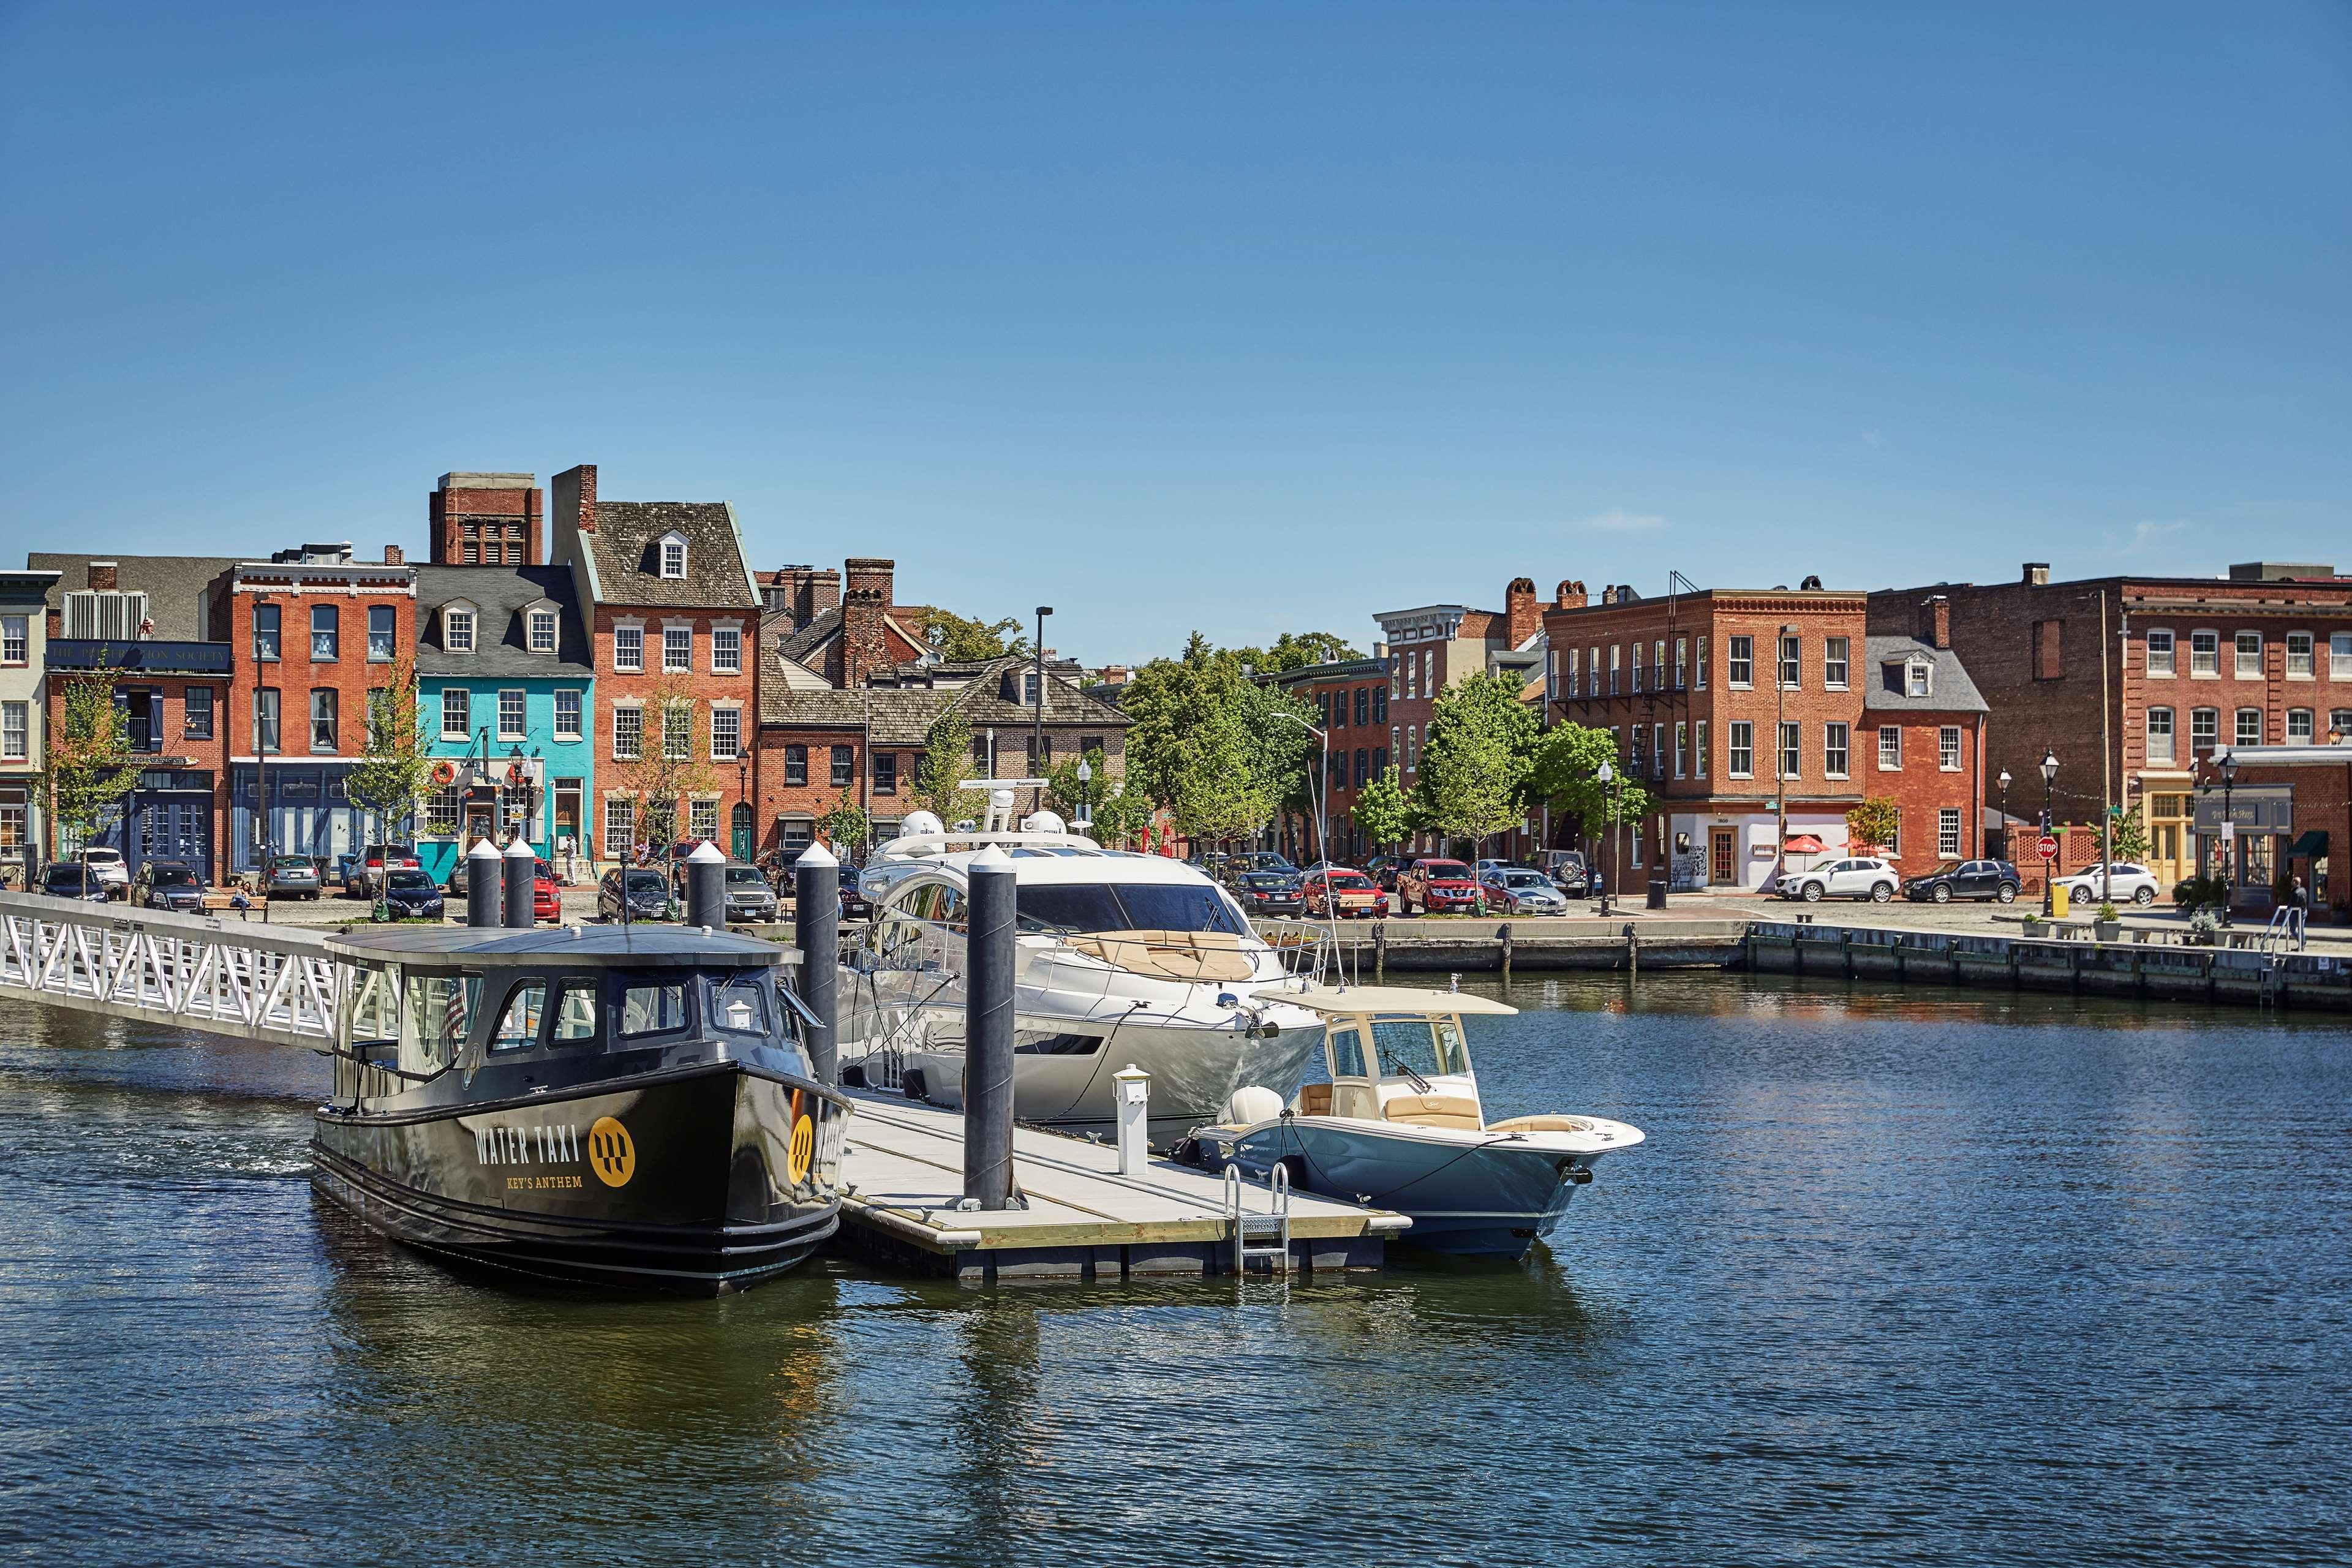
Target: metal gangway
[194,972]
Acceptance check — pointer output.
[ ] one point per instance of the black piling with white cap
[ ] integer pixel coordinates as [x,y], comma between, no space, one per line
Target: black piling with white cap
[520,864]
[705,887]
[816,931]
[987,1031]
[484,879]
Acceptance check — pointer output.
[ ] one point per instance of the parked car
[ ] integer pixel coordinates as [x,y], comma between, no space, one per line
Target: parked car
[1239,866]
[108,867]
[72,880]
[749,897]
[2129,884]
[291,877]
[1861,877]
[647,892]
[412,893]
[363,870]
[1996,880]
[172,885]
[1383,869]
[1518,891]
[1271,893]
[546,898]
[1435,885]
[1343,891]
[1568,870]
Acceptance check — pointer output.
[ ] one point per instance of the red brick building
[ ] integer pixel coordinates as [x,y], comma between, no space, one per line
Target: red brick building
[2134,682]
[841,635]
[2291,808]
[1353,708]
[484,520]
[675,615]
[1715,696]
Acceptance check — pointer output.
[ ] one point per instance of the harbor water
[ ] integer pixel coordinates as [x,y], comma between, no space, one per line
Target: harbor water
[1946,1277]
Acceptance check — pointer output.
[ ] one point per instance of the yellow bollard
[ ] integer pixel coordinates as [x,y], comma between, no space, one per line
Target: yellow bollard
[2058,901]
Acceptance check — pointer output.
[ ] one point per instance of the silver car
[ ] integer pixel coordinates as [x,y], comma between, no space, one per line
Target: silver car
[749,897]
[1517,890]
[291,877]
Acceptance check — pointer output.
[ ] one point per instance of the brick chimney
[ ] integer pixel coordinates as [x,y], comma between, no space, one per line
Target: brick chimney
[393,557]
[102,575]
[1608,595]
[2037,574]
[1522,614]
[1935,626]
[575,497]
[865,595]
[1568,596]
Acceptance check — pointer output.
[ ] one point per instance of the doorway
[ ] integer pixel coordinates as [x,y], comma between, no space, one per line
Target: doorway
[1722,854]
[740,833]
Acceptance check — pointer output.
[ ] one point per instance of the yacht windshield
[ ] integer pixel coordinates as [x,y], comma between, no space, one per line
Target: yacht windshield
[1130,906]
[1419,1047]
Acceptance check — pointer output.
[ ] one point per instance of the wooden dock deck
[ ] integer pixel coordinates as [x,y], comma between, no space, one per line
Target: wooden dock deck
[1083,1220]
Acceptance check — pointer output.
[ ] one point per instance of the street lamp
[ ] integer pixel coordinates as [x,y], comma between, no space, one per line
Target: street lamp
[1037,719]
[1085,794]
[2227,762]
[1319,797]
[1780,748]
[2049,780]
[1605,776]
[2007,849]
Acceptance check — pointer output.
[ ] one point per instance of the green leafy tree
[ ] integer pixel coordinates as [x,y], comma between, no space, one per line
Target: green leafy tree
[846,827]
[1297,651]
[963,640]
[90,765]
[947,752]
[2131,841]
[1477,760]
[1872,825]
[1565,776]
[394,768]
[1120,818]
[1206,743]
[669,766]
[1381,811]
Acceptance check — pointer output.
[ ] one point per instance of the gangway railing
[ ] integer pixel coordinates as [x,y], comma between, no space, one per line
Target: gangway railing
[194,971]
[2285,934]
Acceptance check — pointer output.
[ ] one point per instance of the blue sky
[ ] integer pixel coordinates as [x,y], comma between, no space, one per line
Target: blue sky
[1236,318]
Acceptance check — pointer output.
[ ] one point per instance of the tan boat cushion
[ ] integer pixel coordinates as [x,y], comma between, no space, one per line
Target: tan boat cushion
[1204,955]
[1432,1110]
[1541,1124]
[1314,1100]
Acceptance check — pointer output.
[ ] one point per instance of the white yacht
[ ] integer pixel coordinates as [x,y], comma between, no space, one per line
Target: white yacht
[1122,958]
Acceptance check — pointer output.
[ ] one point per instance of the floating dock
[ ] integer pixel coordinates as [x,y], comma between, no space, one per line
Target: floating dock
[1083,1220]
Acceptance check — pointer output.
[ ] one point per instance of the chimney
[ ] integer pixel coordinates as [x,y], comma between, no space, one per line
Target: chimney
[575,497]
[863,601]
[873,573]
[2037,574]
[101,576]
[1608,595]
[1568,596]
[1939,621]
[1522,615]
[393,557]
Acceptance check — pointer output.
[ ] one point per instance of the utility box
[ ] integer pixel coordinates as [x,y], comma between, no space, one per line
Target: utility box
[1133,1094]
[2059,902]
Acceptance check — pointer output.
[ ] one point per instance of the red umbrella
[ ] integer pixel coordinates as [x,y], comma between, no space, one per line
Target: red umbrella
[1804,844]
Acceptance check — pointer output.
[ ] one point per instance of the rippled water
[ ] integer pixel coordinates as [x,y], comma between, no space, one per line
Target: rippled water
[1954,1280]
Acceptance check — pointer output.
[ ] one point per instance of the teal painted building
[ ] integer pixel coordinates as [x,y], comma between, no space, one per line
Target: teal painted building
[506,693]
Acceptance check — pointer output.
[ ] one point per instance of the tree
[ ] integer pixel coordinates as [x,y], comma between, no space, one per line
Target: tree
[394,768]
[1567,761]
[1206,743]
[1381,811]
[1120,817]
[1477,760]
[1297,651]
[2131,841]
[846,827]
[1872,825]
[966,641]
[947,751]
[90,765]
[669,768]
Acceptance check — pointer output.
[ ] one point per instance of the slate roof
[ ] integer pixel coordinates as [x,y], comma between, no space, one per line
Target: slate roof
[175,585]
[501,644]
[903,715]
[1949,690]
[810,637]
[628,573]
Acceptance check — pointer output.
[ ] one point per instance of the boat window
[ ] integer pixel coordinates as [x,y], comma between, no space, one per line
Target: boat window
[575,1012]
[1346,1054]
[1428,1046]
[433,1025]
[653,1009]
[1130,906]
[518,1030]
[1060,1046]
[950,907]
[1069,906]
[739,1005]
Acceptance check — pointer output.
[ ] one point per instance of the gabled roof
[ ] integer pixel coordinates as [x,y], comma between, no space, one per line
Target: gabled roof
[903,715]
[500,595]
[175,585]
[628,568]
[1949,690]
[802,644]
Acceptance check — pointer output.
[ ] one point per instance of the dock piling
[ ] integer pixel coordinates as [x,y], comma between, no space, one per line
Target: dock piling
[485,877]
[816,932]
[705,887]
[520,869]
[988,1032]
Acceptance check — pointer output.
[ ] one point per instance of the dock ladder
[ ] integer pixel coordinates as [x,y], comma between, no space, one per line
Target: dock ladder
[1251,1231]
[2284,934]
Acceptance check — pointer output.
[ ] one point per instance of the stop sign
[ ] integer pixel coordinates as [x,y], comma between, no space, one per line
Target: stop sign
[2048,847]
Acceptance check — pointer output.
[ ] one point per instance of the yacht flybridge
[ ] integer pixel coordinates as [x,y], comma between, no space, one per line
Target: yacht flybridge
[1122,959]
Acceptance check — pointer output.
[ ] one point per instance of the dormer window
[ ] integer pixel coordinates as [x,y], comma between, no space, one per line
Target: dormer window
[541,623]
[672,551]
[457,629]
[1914,679]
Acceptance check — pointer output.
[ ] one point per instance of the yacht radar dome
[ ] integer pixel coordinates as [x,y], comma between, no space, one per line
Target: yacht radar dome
[922,822]
[1044,822]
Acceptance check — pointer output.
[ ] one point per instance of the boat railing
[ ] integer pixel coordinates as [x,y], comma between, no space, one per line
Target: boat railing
[1308,952]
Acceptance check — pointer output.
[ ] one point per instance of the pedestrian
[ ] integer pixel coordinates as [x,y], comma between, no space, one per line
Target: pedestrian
[2298,895]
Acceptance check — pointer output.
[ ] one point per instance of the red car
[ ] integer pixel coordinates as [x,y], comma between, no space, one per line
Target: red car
[1437,886]
[1344,890]
[546,904]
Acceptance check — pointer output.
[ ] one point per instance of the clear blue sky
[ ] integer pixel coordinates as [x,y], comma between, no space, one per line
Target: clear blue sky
[1233,317]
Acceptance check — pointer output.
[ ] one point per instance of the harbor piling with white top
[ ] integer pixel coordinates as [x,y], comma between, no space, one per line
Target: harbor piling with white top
[987,1031]
[485,877]
[705,887]
[816,922]
[520,865]
[1134,1100]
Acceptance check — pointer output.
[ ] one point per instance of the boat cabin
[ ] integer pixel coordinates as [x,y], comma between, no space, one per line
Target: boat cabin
[1396,1055]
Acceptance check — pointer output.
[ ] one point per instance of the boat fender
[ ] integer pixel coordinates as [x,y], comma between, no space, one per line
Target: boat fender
[1574,1174]
[912,1082]
[853,1075]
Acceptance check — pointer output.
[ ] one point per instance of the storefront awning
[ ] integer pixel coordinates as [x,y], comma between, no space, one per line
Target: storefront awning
[2310,846]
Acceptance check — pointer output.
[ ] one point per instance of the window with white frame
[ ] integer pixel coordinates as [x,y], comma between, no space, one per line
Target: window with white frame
[726,735]
[1890,748]
[15,825]
[2250,656]
[1412,748]
[456,713]
[1948,832]
[1793,749]
[2339,725]
[542,631]
[567,713]
[2298,727]
[16,639]
[1894,845]
[1742,735]
[677,731]
[1637,835]
[1682,661]
[620,826]
[2160,736]
[1916,679]
[727,650]
[2204,730]
[1412,675]
[673,557]
[457,630]
[1573,672]
[1616,663]
[1792,668]
[1658,749]
[629,648]
[1740,664]
[2339,656]
[512,713]
[442,809]
[628,732]
[2204,654]
[1639,655]
[702,818]
[1429,672]
[2299,656]
[15,730]
[677,648]
[2160,652]
[1698,745]
[1948,748]
[2250,726]
[1835,745]
[1835,665]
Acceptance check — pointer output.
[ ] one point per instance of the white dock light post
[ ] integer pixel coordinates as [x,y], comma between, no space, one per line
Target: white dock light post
[706,887]
[816,922]
[1086,795]
[988,1032]
[2049,825]
[519,865]
[484,874]
[1134,1096]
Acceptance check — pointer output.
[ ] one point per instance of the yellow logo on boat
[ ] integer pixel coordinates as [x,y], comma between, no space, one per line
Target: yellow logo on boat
[803,1148]
[611,1154]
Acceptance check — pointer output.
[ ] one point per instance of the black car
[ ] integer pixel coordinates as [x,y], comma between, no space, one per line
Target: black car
[749,897]
[1237,867]
[71,880]
[172,885]
[410,895]
[1995,880]
[1272,892]
[648,894]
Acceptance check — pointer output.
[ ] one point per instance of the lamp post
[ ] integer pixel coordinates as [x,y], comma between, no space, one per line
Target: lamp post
[1605,776]
[1037,717]
[2007,849]
[2227,762]
[1318,796]
[1085,794]
[261,753]
[1779,751]
[743,794]
[2049,779]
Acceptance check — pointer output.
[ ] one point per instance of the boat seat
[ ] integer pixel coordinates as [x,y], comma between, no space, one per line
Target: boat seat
[1204,955]
[1314,1100]
[1450,1110]
[1541,1124]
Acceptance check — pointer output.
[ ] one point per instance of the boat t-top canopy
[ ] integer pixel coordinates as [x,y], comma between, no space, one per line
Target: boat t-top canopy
[635,946]
[1346,1000]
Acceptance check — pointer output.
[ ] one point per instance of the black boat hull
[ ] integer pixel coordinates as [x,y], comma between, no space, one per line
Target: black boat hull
[697,1180]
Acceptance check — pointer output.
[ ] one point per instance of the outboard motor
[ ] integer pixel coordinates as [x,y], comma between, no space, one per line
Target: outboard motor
[1251,1104]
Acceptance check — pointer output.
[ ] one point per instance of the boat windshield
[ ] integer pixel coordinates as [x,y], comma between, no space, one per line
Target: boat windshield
[1126,906]
[739,1003]
[1424,1047]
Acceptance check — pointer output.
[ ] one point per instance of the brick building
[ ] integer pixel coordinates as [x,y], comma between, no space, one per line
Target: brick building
[673,613]
[2291,808]
[311,631]
[484,520]
[1352,703]
[2134,682]
[841,626]
[23,697]
[1716,696]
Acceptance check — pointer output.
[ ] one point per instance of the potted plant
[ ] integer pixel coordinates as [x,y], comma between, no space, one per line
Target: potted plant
[2203,926]
[2106,925]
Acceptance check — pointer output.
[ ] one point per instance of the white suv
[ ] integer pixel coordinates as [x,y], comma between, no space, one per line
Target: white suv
[1861,877]
[107,865]
[2135,884]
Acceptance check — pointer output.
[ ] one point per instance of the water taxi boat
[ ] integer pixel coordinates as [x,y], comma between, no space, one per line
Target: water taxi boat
[625,1106]
[1400,1126]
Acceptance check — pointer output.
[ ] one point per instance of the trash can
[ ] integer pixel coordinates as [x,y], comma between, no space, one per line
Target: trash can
[1657,892]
